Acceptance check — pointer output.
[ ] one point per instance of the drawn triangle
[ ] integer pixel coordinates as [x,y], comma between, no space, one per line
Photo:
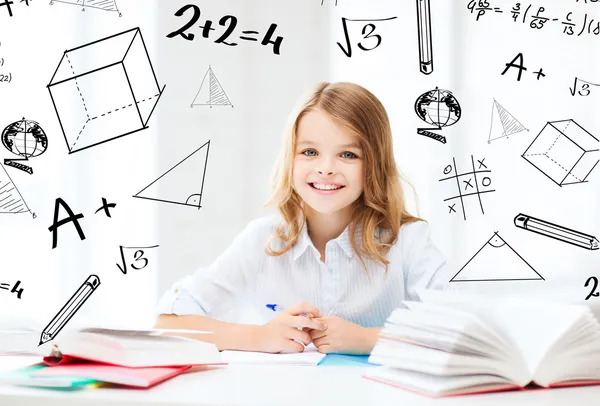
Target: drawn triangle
[496,261]
[503,123]
[211,93]
[183,183]
[11,200]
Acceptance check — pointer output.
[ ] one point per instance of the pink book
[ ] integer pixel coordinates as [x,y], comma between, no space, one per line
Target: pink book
[135,377]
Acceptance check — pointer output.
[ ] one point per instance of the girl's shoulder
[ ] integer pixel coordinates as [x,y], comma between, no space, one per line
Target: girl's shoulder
[410,236]
[263,227]
[415,229]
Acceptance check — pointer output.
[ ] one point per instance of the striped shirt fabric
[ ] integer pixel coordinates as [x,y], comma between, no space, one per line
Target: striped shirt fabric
[244,275]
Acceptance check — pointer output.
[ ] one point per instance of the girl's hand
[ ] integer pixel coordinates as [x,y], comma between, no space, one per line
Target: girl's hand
[342,336]
[279,334]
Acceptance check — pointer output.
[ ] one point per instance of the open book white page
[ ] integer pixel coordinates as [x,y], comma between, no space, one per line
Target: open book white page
[310,356]
[539,330]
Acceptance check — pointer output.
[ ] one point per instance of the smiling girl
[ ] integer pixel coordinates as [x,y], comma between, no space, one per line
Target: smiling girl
[342,246]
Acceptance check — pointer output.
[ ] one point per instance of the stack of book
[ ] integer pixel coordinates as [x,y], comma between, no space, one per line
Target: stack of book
[139,358]
[453,343]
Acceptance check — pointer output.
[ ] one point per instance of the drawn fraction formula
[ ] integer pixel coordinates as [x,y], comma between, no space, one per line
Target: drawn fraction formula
[465,189]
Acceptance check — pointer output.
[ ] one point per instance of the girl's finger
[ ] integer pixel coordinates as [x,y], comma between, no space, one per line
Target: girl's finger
[299,335]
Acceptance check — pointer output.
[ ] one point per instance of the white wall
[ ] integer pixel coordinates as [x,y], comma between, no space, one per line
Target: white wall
[469,57]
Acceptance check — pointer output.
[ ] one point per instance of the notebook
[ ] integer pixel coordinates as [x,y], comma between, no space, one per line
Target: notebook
[135,377]
[310,356]
[23,377]
[453,343]
[131,348]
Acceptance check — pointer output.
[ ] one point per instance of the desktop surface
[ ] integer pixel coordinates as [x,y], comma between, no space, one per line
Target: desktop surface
[280,385]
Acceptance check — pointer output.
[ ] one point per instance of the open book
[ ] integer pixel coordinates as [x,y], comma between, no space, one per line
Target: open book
[455,343]
[130,348]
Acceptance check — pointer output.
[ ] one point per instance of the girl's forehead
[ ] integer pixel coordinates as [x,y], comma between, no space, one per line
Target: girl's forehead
[317,126]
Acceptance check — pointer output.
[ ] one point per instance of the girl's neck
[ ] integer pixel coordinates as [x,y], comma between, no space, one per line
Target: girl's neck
[325,227]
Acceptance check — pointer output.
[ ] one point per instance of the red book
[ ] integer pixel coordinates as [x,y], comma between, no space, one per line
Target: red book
[135,377]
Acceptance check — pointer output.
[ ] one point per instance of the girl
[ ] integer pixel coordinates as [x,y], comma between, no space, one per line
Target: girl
[342,249]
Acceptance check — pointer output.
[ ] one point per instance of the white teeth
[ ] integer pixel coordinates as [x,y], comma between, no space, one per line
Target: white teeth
[325,187]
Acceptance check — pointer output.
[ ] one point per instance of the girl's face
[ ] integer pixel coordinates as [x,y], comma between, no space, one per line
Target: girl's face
[328,164]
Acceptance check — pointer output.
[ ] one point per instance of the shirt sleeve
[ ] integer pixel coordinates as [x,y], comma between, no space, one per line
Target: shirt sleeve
[425,267]
[214,290]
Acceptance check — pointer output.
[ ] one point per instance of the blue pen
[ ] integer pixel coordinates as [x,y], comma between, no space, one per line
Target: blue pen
[277,308]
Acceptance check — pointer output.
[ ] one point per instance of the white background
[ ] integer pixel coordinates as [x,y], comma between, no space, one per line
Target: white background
[469,57]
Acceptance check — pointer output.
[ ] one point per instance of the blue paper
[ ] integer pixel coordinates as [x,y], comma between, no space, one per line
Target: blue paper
[345,360]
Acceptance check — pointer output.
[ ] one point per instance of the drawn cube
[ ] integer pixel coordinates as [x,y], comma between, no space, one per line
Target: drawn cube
[104,90]
[564,151]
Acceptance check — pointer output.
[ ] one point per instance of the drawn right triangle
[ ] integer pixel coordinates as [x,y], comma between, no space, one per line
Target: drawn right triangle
[11,201]
[211,92]
[174,185]
[496,261]
[503,123]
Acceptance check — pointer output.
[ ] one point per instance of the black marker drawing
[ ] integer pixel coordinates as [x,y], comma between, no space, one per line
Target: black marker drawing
[173,186]
[11,201]
[104,5]
[15,288]
[521,68]
[26,139]
[437,107]
[73,218]
[581,87]
[366,35]
[593,292]
[8,3]
[104,90]
[503,123]
[228,21]
[535,17]
[564,151]
[105,207]
[139,259]
[556,231]
[475,183]
[424,35]
[211,93]
[65,314]
[496,261]
[322,1]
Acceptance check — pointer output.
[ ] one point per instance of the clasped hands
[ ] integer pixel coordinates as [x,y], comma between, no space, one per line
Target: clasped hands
[329,334]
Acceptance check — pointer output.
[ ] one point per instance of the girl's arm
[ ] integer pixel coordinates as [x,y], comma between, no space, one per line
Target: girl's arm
[282,334]
[226,336]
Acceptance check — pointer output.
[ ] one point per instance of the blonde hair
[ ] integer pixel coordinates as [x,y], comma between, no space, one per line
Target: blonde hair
[382,202]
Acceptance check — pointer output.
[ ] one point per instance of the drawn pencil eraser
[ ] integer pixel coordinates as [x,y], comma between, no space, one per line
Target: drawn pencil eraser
[521,220]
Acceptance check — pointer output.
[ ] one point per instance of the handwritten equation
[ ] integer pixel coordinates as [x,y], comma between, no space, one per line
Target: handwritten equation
[15,288]
[582,87]
[140,261]
[537,17]
[230,23]
[368,33]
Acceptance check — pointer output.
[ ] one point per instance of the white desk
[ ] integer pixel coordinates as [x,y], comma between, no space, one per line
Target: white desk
[271,385]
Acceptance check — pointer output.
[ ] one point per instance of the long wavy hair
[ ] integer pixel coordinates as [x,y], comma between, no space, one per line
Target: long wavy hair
[382,202]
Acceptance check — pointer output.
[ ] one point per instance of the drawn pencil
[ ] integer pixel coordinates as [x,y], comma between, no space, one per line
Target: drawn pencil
[69,309]
[557,232]
[424,27]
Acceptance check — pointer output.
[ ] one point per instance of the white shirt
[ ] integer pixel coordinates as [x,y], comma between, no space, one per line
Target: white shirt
[338,287]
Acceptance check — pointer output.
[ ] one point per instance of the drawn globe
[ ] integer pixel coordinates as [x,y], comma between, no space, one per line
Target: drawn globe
[438,107]
[25,138]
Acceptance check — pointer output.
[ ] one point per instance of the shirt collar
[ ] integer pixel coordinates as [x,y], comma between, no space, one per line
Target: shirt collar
[343,241]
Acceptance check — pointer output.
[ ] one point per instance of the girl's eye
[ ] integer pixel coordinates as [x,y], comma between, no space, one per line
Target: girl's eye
[352,155]
[308,151]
